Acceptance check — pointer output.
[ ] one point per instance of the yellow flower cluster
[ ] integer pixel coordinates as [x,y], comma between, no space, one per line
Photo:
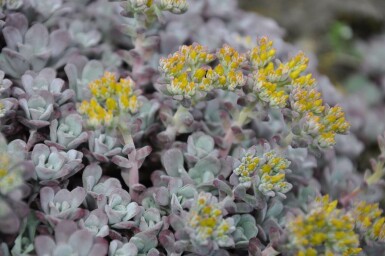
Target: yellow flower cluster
[270,168]
[322,122]
[270,92]
[274,164]
[262,54]
[273,174]
[271,81]
[110,98]
[369,221]
[186,70]
[297,65]
[305,81]
[307,101]
[276,84]
[227,74]
[249,164]
[4,165]
[324,128]
[206,218]
[325,230]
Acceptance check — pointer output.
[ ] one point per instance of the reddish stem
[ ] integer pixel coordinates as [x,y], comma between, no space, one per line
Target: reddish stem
[228,140]
[346,199]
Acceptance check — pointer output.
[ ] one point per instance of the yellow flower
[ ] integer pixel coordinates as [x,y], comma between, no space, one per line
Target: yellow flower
[325,125]
[307,101]
[227,74]
[263,53]
[306,81]
[185,70]
[368,220]
[110,99]
[335,120]
[297,65]
[324,228]
[206,219]
[230,58]
[269,92]
[182,86]
[249,164]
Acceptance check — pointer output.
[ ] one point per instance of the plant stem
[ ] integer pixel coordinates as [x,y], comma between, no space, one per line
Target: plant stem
[229,136]
[129,175]
[345,200]
[228,139]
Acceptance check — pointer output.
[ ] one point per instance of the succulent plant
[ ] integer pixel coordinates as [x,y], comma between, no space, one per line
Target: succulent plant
[46,8]
[14,171]
[83,33]
[5,85]
[52,164]
[29,48]
[34,83]
[38,109]
[119,248]
[103,146]
[245,229]
[12,4]
[120,210]
[7,106]
[204,225]
[200,145]
[200,135]
[66,133]
[69,239]
[96,222]
[62,204]
[80,73]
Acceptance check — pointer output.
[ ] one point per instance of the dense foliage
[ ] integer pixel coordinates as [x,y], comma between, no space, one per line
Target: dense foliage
[162,127]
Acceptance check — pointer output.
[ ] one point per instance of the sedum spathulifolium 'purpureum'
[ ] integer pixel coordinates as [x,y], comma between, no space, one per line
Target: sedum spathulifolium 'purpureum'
[175,127]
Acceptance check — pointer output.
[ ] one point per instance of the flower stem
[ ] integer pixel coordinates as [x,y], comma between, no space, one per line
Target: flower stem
[229,136]
[346,199]
[129,175]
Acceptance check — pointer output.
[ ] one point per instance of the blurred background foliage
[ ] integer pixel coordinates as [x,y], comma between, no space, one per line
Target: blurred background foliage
[348,38]
[332,29]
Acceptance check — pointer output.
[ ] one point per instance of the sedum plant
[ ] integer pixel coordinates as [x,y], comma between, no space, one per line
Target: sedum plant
[174,127]
[70,240]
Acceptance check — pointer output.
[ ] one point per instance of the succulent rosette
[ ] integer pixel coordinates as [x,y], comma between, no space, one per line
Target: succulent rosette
[45,80]
[38,110]
[67,132]
[103,147]
[96,222]
[69,239]
[120,210]
[29,47]
[52,164]
[62,204]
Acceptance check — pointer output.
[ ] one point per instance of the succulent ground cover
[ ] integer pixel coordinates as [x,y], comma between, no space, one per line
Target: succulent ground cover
[173,127]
